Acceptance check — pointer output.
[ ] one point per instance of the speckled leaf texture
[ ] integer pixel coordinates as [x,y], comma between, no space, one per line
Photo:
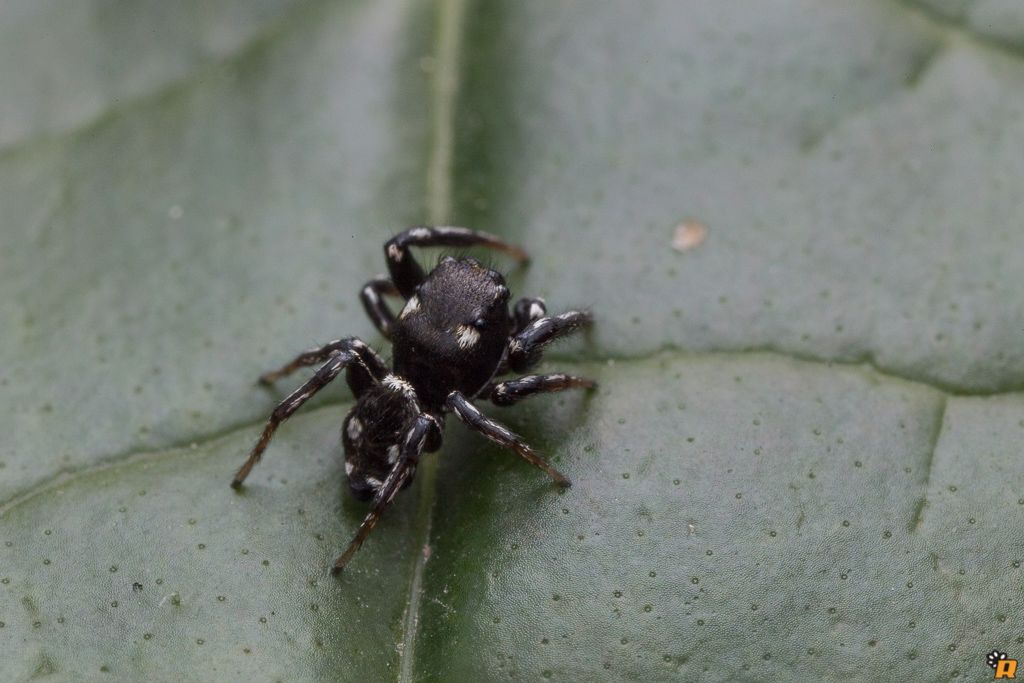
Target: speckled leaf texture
[804,458]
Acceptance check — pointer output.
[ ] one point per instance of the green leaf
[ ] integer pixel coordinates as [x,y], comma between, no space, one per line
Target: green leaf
[802,461]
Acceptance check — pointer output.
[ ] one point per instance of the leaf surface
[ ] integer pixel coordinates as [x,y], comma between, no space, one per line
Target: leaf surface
[802,461]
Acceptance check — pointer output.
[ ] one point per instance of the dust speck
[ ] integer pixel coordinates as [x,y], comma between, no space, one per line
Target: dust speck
[688,235]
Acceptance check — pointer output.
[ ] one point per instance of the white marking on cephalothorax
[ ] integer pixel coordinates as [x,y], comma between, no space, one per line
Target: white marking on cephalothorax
[411,306]
[467,336]
[536,311]
[355,428]
[395,252]
[419,233]
[374,482]
[393,454]
[348,469]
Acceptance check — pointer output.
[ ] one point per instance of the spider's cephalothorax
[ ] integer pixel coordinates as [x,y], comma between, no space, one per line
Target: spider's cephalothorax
[452,338]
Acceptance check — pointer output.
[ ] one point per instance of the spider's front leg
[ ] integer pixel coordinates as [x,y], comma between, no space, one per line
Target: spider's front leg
[499,434]
[412,447]
[407,274]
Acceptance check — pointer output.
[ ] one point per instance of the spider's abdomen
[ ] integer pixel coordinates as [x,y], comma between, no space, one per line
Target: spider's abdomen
[370,435]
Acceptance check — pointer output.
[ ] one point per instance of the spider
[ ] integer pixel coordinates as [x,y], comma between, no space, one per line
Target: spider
[453,337]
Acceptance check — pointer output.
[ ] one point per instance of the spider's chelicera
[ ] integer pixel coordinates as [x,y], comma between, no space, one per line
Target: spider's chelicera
[452,339]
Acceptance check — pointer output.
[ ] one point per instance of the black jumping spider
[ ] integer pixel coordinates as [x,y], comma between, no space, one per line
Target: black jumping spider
[452,339]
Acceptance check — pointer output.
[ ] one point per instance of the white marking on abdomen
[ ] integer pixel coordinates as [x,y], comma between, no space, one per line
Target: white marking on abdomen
[395,383]
[355,428]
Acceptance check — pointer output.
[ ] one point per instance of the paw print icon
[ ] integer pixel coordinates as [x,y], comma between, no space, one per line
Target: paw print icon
[1004,667]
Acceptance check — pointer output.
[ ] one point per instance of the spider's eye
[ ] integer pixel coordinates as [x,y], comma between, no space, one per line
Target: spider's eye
[480,323]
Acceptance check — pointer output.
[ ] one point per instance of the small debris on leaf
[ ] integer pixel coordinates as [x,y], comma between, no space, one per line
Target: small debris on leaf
[688,235]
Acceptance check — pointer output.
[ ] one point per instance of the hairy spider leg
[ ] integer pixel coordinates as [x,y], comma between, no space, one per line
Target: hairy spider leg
[407,273]
[511,391]
[286,408]
[367,369]
[372,296]
[412,447]
[499,434]
[524,312]
[525,348]
[371,365]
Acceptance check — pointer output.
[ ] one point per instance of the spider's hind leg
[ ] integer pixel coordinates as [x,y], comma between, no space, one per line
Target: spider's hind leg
[423,430]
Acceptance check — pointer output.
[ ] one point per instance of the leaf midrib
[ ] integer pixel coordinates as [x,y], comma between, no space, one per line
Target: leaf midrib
[450,17]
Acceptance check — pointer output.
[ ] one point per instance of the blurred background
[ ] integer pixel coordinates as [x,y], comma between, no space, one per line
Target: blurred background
[798,224]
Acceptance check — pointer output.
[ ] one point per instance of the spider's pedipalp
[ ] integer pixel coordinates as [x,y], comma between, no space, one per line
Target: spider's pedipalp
[524,349]
[372,296]
[526,311]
